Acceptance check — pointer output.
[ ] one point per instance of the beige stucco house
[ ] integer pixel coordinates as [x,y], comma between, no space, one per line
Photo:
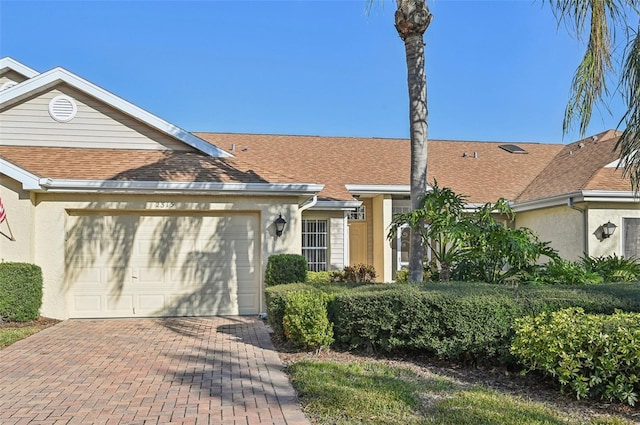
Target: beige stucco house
[129,215]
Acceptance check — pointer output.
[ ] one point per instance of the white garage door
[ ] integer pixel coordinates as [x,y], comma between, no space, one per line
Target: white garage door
[126,265]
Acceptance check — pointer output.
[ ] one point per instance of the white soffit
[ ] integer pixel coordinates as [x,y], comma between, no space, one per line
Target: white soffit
[49,79]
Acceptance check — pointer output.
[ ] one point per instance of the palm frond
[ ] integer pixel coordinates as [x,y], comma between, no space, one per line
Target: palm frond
[589,85]
[629,142]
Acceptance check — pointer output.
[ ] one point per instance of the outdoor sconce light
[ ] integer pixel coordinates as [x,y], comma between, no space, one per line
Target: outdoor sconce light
[607,229]
[279,223]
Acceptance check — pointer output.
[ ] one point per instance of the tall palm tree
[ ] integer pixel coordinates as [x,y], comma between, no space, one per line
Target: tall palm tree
[605,18]
[412,18]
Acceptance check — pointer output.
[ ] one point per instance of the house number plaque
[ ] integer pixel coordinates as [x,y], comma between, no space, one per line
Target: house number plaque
[165,205]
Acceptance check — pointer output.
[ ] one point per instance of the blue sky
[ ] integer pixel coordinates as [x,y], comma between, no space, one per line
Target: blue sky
[496,70]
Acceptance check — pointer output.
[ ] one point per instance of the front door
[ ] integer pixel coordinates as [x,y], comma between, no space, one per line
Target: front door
[357,242]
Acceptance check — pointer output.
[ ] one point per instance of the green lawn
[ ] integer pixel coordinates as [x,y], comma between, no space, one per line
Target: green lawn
[10,335]
[374,393]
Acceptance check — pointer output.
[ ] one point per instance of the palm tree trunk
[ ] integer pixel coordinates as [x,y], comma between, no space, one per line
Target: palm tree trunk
[412,19]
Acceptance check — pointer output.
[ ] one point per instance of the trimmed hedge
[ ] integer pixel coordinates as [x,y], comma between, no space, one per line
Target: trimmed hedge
[469,322]
[20,292]
[285,268]
[457,321]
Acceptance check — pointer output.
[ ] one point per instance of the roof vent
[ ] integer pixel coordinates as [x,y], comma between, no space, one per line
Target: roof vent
[62,108]
[8,85]
[512,148]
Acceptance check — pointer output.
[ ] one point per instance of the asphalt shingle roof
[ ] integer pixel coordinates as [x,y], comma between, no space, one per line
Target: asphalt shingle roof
[136,165]
[336,161]
[579,166]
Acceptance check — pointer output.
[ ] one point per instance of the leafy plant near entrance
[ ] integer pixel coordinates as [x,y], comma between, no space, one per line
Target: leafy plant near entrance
[472,245]
[355,274]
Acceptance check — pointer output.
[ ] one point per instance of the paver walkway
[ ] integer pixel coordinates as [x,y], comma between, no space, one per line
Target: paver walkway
[220,370]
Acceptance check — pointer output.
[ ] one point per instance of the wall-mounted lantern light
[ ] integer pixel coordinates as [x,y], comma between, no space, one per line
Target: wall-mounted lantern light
[279,223]
[607,229]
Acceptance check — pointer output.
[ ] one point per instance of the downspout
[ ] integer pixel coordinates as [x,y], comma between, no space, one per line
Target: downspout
[308,204]
[585,225]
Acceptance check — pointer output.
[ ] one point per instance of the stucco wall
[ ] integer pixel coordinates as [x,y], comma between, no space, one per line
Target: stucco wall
[602,213]
[563,226]
[20,216]
[51,216]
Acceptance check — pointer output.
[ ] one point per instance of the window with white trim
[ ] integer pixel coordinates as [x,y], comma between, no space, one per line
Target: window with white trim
[314,244]
[631,228]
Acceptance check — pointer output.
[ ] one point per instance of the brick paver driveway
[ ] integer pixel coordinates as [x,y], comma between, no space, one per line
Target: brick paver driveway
[220,370]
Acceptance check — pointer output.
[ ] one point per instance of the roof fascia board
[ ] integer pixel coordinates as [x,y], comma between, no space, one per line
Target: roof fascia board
[57,75]
[113,186]
[29,181]
[580,196]
[610,196]
[14,65]
[375,189]
[548,202]
[335,205]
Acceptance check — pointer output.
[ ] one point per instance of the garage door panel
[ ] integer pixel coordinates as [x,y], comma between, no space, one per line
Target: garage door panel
[91,276]
[205,265]
[86,304]
[143,275]
[119,303]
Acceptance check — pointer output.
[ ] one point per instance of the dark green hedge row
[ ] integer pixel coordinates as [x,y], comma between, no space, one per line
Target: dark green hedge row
[20,292]
[458,321]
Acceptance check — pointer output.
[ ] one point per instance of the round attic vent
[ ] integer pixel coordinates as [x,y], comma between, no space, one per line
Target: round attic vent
[62,108]
[8,85]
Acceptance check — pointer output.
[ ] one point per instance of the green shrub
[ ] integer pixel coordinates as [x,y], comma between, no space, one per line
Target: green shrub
[472,327]
[355,274]
[276,299]
[594,355]
[459,321]
[612,268]
[402,276]
[20,291]
[285,268]
[563,272]
[305,321]
[319,277]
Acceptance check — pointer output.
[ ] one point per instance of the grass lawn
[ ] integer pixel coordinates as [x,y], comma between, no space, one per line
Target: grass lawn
[10,335]
[11,332]
[375,393]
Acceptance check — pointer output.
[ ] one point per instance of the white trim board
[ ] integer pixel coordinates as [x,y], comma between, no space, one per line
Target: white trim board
[14,65]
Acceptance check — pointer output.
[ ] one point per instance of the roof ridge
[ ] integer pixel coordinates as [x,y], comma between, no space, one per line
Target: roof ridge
[213,133]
